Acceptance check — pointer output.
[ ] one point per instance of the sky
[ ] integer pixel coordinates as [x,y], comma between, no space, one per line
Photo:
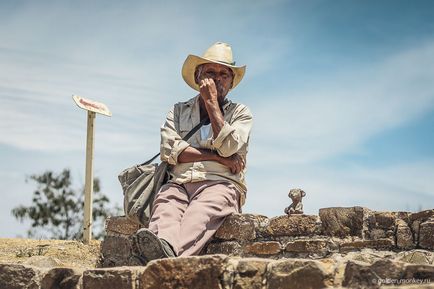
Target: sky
[342,94]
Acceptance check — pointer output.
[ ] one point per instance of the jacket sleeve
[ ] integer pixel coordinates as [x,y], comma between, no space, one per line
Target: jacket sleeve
[171,143]
[233,136]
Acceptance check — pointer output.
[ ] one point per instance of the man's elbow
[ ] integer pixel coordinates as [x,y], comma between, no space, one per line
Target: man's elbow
[226,152]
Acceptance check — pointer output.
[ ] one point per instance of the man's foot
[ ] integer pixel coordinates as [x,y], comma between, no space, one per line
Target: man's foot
[147,246]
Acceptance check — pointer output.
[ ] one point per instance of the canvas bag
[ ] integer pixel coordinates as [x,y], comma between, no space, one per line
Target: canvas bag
[141,183]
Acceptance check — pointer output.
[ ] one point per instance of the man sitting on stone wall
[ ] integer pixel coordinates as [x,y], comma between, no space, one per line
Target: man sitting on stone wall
[207,175]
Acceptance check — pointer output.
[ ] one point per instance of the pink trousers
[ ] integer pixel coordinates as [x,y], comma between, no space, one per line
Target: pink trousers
[188,215]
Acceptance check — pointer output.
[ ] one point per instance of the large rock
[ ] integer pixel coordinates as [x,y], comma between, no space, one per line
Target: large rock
[385,272]
[383,220]
[380,244]
[14,276]
[343,222]
[263,248]
[231,248]
[419,272]
[121,225]
[184,272]
[116,251]
[237,227]
[416,257]
[294,225]
[422,215]
[426,234]
[250,273]
[311,246]
[359,275]
[404,236]
[416,219]
[298,273]
[62,278]
[119,278]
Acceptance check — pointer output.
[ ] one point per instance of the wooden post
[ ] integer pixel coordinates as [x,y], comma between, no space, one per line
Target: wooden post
[92,108]
[88,188]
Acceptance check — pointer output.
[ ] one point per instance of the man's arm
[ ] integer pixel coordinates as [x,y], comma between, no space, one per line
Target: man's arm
[171,142]
[228,138]
[235,163]
[208,93]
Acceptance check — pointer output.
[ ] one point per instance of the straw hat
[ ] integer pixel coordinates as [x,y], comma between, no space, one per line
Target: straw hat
[220,53]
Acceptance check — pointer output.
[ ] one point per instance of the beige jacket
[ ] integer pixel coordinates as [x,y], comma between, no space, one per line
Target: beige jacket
[233,138]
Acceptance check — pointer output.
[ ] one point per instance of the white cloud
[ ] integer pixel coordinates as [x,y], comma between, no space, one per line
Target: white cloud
[341,116]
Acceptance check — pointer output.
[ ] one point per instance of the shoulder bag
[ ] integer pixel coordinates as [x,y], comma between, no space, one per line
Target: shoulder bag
[141,183]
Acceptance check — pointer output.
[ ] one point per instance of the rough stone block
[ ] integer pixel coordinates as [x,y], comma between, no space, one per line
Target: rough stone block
[231,248]
[115,251]
[381,244]
[359,275]
[297,273]
[404,236]
[14,276]
[415,227]
[343,222]
[249,273]
[237,227]
[422,215]
[119,278]
[426,234]
[121,225]
[308,246]
[376,234]
[388,269]
[416,257]
[419,272]
[263,248]
[184,272]
[363,275]
[294,225]
[383,220]
[61,278]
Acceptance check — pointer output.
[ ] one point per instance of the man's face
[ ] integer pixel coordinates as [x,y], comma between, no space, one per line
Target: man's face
[222,76]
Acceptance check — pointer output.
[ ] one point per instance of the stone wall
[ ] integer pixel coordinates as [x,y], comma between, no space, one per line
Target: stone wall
[335,230]
[223,272]
[340,248]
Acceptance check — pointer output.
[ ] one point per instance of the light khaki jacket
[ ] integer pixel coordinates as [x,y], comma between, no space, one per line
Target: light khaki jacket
[233,138]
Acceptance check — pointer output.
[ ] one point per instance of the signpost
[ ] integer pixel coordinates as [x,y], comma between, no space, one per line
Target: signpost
[92,108]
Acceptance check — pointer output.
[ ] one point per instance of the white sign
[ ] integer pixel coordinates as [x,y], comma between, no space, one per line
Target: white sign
[91,105]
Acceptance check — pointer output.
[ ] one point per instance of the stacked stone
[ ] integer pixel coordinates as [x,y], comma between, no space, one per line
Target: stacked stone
[221,272]
[341,248]
[335,230]
[116,247]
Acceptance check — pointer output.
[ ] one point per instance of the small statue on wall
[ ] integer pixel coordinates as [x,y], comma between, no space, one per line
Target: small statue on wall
[297,206]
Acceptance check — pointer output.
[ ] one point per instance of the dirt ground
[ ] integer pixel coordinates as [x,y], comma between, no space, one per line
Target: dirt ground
[50,253]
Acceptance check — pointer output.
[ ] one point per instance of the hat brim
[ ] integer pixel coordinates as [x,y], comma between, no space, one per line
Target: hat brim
[192,61]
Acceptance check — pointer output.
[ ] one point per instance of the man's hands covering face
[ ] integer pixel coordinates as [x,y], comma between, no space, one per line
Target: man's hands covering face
[208,90]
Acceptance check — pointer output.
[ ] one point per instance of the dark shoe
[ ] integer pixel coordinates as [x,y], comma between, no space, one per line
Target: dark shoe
[147,246]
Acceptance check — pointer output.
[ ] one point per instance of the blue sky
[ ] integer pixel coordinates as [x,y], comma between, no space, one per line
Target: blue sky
[342,94]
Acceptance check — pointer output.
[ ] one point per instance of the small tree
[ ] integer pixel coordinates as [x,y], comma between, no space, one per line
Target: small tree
[57,208]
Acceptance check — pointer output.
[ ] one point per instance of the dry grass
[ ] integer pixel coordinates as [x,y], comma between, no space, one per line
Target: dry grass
[64,253]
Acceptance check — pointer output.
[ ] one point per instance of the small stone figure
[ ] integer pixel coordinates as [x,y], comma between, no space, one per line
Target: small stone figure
[296,207]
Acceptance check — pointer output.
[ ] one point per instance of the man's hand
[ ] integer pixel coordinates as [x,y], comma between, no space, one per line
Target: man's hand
[208,90]
[235,163]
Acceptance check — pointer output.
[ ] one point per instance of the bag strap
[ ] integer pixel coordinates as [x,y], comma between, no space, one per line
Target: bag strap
[187,137]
